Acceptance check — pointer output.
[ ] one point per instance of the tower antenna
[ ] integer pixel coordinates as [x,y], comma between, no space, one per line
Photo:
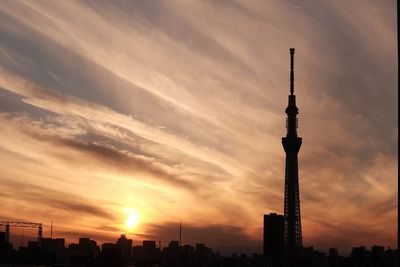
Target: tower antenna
[291,71]
[51,230]
[180,233]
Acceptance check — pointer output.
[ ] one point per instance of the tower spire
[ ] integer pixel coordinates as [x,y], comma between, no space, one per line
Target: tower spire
[291,71]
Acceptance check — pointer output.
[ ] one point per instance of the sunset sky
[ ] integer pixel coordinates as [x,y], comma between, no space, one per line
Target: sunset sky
[113,112]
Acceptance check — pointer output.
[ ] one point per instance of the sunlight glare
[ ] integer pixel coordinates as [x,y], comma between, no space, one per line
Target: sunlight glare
[132,219]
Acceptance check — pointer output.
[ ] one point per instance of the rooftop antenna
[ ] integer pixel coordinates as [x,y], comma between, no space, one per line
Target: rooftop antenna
[291,71]
[180,233]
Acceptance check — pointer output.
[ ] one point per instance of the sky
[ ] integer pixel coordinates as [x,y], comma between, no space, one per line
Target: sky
[130,116]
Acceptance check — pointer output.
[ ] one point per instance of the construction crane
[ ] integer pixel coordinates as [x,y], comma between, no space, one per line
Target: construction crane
[9,224]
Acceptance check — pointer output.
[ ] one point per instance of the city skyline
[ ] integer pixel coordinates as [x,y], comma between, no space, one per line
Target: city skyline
[129,117]
[123,252]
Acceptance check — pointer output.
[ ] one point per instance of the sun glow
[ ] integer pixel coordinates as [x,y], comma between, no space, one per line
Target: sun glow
[132,219]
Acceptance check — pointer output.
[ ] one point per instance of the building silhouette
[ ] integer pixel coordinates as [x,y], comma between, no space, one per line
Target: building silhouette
[125,246]
[293,240]
[5,247]
[274,228]
[54,249]
[87,253]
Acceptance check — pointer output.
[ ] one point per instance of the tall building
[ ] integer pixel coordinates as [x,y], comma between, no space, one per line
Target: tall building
[55,249]
[293,240]
[150,251]
[274,228]
[5,247]
[125,246]
[85,247]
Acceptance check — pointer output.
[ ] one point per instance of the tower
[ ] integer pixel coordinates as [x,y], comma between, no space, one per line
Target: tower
[293,240]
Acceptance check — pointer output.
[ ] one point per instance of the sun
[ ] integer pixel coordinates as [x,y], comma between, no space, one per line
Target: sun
[132,219]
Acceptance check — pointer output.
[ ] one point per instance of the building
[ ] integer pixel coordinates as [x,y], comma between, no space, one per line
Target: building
[172,253]
[55,250]
[85,247]
[147,254]
[107,246]
[274,228]
[5,247]
[293,240]
[378,255]
[203,255]
[150,249]
[125,246]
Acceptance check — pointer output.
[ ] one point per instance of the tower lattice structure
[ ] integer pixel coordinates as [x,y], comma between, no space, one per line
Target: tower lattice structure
[293,240]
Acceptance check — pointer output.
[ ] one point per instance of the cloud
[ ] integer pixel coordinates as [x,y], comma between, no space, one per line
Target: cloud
[94,153]
[52,198]
[112,157]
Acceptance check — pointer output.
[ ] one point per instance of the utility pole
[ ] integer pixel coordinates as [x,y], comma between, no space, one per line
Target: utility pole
[180,233]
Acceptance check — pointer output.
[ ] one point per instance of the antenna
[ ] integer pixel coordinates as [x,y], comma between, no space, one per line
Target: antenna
[51,230]
[291,71]
[180,233]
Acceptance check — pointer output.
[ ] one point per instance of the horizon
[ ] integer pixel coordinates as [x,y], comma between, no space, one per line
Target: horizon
[256,247]
[127,117]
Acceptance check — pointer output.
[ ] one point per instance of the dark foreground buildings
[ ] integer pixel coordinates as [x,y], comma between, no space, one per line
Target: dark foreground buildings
[88,253]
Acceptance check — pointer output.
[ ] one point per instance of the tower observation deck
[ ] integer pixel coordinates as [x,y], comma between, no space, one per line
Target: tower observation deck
[293,240]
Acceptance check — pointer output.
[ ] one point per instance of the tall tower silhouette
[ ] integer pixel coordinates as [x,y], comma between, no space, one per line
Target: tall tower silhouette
[293,240]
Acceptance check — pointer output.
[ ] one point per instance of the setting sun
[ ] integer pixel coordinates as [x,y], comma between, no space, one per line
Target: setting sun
[132,219]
